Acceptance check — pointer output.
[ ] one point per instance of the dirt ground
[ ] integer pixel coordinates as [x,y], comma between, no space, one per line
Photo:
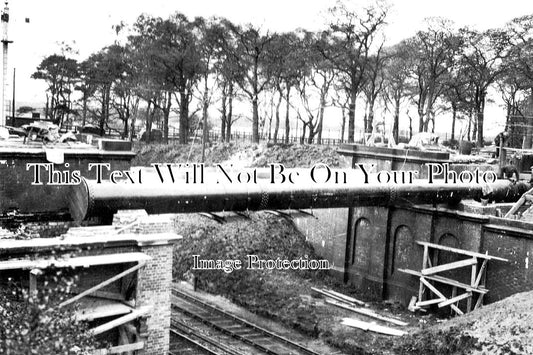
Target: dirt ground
[504,327]
[286,297]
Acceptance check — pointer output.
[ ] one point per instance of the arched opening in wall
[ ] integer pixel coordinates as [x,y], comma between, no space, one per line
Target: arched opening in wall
[402,253]
[403,247]
[362,243]
[360,251]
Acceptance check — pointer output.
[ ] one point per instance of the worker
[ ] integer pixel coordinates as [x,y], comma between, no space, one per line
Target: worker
[501,141]
[510,172]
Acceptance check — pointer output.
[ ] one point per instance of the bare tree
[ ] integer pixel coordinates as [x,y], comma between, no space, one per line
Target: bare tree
[347,44]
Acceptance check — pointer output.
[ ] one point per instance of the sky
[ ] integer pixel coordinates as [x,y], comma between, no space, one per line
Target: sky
[87,25]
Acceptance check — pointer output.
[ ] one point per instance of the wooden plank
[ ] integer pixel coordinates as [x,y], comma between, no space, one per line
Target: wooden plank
[446,280]
[103,284]
[425,260]
[119,321]
[120,349]
[355,323]
[82,261]
[367,313]
[331,295]
[461,251]
[412,304]
[433,288]
[480,273]
[91,308]
[455,299]
[518,204]
[454,294]
[429,302]
[438,293]
[449,266]
[479,302]
[472,283]
[347,298]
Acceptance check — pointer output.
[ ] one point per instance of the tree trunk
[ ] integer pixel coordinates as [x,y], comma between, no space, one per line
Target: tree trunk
[166,114]
[106,91]
[205,128]
[480,118]
[351,117]
[230,113]
[370,119]
[420,110]
[132,127]
[343,124]
[320,124]
[396,123]
[126,131]
[469,131]
[84,111]
[224,117]
[276,123]
[529,130]
[255,119]
[184,118]
[454,118]
[287,122]
[311,136]
[47,107]
[429,107]
[148,122]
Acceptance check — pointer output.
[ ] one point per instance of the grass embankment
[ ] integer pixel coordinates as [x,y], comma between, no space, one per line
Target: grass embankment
[249,155]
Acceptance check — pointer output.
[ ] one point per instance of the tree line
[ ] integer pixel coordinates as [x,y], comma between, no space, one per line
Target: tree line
[187,66]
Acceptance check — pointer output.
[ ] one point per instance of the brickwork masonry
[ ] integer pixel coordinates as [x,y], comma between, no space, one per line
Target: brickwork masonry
[155,278]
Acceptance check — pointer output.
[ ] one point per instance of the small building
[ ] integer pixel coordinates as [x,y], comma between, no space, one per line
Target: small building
[124,274]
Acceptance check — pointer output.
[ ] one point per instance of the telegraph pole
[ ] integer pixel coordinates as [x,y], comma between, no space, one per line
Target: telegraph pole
[5,42]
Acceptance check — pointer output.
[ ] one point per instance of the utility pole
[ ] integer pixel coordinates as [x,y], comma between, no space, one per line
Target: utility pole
[5,42]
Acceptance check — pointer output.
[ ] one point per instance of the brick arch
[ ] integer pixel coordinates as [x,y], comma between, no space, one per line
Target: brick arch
[403,247]
[361,243]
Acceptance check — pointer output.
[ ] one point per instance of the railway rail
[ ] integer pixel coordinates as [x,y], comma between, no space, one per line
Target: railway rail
[212,330]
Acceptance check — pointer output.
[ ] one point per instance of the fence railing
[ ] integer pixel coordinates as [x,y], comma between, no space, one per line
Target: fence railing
[247,137]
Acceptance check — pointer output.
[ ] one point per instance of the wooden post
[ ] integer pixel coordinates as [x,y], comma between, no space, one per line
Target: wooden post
[473,277]
[424,265]
[33,280]
[454,293]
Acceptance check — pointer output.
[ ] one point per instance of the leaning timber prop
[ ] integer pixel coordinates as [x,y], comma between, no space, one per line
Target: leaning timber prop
[92,198]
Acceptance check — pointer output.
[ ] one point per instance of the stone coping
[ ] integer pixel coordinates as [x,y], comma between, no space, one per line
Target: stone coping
[410,155]
[68,151]
[104,239]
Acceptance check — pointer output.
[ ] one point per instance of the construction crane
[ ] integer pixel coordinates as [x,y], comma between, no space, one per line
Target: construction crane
[5,43]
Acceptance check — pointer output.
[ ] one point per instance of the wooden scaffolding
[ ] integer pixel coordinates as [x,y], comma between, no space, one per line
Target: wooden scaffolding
[93,302]
[431,281]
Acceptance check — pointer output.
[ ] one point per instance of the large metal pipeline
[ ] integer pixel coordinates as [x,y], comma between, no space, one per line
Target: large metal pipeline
[92,198]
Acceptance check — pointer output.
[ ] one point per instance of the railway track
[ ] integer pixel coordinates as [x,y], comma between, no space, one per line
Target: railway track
[211,330]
